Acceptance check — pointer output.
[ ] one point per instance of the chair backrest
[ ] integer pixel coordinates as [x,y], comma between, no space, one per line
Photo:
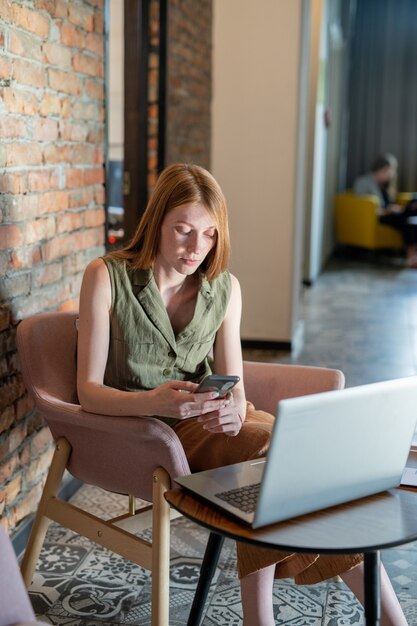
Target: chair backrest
[14,602]
[268,383]
[47,351]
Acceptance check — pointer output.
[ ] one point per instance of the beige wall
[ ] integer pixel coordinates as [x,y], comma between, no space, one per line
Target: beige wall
[256,155]
[116,81]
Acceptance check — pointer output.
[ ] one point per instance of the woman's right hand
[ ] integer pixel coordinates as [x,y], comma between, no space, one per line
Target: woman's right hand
[177,399]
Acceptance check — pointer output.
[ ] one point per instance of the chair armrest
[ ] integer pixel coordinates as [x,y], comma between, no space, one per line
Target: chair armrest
[268,383]
[125,450]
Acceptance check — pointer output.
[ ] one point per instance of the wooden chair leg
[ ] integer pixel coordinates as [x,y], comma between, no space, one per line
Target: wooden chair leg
[160,549]
[40,523]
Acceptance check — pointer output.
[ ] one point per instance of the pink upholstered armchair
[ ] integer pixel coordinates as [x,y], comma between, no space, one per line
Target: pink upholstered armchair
[134,456]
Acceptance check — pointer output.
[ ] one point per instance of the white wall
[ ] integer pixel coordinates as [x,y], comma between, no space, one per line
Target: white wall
[257,154]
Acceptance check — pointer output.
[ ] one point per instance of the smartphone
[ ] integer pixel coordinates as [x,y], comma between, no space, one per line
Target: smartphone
[222,384]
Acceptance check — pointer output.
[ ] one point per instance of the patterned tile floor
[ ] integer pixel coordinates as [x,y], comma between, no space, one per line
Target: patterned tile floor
[359,317]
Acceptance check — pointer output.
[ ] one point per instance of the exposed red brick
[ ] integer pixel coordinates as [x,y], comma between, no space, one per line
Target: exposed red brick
[39,466]
[30,20]
[46,274]
[25,506]
[64,81]
[55,8]
[55,54]
[51,215]
[57,153]
[81,198]
[27,73]
[74,178]
[24,406]
[20,101]
[11,490]
[20,207]
[73,131]
[40,441]
[13,182]
[21,258]
[14,438]
[6,68]
[17,285]
[99,195]
[8,468]
[27,153]
[50,105]
[40,229]
[69,221]
[95,43]
[43,180]
[95,134]
[94,89]
[94,217]
[85,111]
[45,130]
[24,44]
[82,153]
[94,176]
[87,64]
[5,10]
[81,16]
[98,23]
[72,36]
[12,127]
[10,236]
[55,201]
[7,418]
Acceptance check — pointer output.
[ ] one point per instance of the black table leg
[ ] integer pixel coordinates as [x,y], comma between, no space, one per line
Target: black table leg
[208,567]
[372,582]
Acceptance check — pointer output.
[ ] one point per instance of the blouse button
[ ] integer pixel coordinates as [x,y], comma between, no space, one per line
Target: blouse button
[171,354]
[166,372]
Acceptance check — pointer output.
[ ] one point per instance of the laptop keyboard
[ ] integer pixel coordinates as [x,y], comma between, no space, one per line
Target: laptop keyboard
[243,498]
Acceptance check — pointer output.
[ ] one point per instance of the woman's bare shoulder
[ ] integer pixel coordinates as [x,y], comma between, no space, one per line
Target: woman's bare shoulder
[235,284]
[96,267]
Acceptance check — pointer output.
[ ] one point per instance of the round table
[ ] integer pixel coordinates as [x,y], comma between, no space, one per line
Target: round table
[366,526]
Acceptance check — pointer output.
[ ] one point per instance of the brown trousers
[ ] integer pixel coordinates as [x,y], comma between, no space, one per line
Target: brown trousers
[206,450]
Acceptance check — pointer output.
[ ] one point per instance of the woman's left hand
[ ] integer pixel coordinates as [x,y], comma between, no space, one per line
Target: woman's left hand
[227,419]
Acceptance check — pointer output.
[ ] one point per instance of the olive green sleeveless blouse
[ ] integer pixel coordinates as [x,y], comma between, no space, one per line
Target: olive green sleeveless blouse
[144,351]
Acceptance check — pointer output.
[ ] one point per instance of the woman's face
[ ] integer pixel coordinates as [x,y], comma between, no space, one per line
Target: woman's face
[188,233]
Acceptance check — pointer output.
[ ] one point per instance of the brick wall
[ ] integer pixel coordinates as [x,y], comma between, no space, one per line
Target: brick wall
[52,202]
[189,81]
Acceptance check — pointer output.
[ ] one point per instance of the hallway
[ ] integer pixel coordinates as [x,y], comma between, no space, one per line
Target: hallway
[360,318]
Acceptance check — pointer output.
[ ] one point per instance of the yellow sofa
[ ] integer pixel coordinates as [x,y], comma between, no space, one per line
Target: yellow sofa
[357,224]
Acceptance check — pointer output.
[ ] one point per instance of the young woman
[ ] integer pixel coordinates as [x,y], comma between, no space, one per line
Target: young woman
[155,318]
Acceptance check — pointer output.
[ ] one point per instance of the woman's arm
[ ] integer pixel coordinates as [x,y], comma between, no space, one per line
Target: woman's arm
[93,346]
[228,360]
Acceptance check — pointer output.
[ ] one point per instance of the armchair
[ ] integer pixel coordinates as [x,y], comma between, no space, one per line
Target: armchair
[357,223]
[134,456]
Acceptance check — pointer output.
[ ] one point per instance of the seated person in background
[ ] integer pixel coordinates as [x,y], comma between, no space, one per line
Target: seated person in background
[380,182]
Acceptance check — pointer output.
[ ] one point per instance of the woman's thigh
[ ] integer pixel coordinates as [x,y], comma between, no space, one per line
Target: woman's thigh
[205,450]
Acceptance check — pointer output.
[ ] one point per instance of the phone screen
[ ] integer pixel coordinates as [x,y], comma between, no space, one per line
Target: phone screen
[222,384]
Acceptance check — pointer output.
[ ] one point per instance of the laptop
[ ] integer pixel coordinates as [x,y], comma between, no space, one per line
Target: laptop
[325,449]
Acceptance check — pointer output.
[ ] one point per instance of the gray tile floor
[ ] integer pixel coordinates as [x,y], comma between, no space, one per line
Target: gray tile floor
[359,317]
